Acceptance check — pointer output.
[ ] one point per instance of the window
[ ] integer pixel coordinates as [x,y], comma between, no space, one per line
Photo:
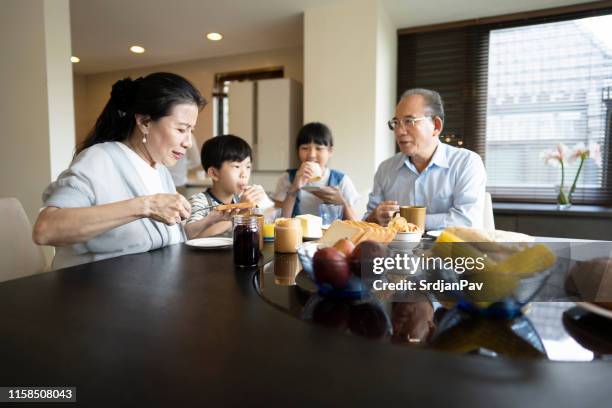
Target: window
[514,86]
[546,85]
[221,101]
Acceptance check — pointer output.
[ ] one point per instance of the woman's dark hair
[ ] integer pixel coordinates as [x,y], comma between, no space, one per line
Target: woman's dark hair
[314,132]
[154,95]
[224,148]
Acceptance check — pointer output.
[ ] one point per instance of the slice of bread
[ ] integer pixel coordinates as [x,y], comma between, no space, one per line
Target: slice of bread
[318,172]
[237,206]
[357,231]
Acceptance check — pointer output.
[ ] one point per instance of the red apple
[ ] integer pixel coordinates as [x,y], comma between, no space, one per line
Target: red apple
[330,266]
[345,246]
[364,255]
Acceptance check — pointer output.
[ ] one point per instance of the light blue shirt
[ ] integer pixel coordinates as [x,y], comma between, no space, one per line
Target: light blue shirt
[452,187]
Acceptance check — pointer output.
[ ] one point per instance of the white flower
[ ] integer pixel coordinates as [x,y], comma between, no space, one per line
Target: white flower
[595,153]
[583,152]
[579,151]
[555,157]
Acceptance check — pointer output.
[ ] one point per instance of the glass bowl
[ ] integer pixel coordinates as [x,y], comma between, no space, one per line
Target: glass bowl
[354,288]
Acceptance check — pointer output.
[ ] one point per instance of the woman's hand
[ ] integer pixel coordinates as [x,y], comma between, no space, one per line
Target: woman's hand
[330,195]
[167,208]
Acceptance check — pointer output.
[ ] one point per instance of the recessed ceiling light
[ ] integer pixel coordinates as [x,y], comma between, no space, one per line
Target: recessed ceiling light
[74,59]
[137,49]
[214,36]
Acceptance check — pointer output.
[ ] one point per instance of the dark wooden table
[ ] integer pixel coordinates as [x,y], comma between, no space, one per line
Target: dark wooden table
[178,327]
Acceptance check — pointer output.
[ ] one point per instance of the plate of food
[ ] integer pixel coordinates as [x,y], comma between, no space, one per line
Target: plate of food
[406,232]
[210,243]
[311,189]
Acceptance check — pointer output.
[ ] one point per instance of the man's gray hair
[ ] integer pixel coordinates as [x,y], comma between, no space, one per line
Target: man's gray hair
[433,100]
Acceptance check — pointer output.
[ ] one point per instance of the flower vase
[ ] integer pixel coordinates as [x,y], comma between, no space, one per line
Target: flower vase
[563,197]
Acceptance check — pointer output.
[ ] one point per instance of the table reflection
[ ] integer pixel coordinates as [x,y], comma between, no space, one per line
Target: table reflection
[546,330]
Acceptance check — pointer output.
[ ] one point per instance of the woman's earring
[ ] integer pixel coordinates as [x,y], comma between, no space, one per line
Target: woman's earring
[144,138]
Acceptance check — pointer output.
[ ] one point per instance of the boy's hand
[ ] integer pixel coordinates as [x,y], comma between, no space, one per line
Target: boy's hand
[253,194]
[223,215]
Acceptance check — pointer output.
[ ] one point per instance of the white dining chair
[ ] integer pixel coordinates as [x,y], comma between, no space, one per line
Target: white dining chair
[19,255]
[488,221]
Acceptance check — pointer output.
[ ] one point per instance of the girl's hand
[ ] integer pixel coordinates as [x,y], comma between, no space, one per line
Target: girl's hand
[304,174]
[330,195]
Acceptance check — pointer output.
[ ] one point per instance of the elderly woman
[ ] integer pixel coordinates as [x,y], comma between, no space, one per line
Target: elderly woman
[117,196]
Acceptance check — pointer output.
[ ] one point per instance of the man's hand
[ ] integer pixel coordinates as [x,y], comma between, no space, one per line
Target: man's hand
[384,212]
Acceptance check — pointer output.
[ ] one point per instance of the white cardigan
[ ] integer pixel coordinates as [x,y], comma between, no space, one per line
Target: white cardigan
[104,174]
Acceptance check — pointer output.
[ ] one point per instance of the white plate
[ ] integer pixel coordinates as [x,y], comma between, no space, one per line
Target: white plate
[434,234]
[312,238]
[408,236]
[311,189]
[210,243]
[591,307]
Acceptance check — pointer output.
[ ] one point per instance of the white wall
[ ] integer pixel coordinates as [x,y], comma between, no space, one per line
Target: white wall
[36,116]
[386,84]
[59,85]
[349,82]
[200,72]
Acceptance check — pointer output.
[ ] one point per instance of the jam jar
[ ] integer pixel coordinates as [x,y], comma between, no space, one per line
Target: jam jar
[258,213]
[246,241]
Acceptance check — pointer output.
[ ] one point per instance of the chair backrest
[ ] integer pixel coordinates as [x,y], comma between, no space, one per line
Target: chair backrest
[488,222]
[19,255]
[361,204]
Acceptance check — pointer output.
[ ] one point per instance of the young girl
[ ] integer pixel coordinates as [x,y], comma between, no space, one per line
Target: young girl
[315,148]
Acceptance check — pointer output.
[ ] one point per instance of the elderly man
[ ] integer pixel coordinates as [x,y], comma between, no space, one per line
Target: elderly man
[447,180]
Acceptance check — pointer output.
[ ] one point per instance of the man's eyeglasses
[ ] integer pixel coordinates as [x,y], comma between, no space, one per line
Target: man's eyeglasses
[395,123]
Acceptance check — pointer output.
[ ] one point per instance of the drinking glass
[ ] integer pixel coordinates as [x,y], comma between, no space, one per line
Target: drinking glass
[330,213]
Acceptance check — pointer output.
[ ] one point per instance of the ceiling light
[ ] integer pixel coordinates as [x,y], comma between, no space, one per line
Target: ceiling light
[214,36]
[74,59]
[137,49]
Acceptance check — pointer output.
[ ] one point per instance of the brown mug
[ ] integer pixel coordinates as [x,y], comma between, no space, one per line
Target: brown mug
[414,215]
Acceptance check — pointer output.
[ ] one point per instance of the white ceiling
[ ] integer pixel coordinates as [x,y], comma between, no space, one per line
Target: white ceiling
[173,30]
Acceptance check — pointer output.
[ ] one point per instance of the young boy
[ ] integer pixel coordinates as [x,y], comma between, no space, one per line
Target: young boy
[315,146]
[227,161]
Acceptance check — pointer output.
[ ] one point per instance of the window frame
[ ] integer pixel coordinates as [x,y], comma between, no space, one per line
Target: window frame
[474,89]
